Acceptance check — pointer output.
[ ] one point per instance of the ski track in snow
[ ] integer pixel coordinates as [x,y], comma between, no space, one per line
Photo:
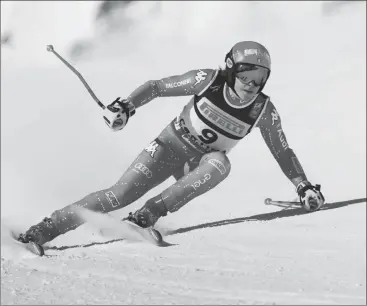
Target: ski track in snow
[229,248]
[207,266]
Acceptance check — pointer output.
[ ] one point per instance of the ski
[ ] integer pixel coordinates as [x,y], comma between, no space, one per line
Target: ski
[31,246]
[35,248]
[150,235]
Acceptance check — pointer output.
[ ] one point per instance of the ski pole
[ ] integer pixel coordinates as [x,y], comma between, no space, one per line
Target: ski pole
[269,201]
[50,48]
[285,204]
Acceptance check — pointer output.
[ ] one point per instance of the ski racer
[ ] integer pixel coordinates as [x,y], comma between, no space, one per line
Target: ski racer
[226,105]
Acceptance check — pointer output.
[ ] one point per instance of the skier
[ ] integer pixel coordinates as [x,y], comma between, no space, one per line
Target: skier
[227,104]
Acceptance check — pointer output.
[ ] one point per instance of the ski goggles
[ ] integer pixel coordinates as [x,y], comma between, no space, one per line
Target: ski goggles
[248,73]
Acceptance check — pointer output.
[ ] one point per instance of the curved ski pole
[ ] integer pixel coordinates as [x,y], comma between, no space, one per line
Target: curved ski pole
[50,48]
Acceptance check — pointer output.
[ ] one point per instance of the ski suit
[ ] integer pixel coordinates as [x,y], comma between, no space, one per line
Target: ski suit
[193,147]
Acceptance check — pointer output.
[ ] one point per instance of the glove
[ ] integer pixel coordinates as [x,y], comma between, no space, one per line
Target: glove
[310,196]
[117,114]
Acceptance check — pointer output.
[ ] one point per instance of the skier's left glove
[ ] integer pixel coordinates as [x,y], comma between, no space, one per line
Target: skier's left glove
[117,114]
[310,196]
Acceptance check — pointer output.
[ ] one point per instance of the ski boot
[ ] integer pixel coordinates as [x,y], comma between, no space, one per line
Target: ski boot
[142,217]
[39,234]
[147,216]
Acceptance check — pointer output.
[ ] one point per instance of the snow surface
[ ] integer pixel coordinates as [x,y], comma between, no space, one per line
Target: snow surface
[230,247]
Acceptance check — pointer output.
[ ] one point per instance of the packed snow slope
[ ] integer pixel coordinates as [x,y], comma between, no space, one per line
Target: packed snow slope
[230,247]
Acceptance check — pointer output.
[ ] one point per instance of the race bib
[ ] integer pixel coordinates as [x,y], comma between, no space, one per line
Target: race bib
[229,130]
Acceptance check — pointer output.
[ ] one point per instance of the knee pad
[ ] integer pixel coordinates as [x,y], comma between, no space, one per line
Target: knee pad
[219,161]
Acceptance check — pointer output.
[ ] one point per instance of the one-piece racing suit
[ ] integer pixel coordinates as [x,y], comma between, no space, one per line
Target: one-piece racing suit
[193,147]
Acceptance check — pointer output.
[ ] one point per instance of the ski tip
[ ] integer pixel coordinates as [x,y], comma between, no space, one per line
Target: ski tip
[158,240]
[36,248]
[157,236]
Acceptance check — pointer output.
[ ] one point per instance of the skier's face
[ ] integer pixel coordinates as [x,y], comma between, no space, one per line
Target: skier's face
[249,79]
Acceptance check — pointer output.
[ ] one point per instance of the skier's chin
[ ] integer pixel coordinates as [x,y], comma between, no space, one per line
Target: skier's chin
[246,95]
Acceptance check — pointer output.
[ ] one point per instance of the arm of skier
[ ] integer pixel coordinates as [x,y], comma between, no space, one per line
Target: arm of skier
[117,114]
[187,84]
[271,129]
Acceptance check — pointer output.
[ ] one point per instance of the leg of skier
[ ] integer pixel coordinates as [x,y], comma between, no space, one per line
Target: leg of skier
[212,169]
[155,164]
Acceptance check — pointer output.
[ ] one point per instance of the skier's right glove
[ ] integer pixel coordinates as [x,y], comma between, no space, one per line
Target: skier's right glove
[117,114]
[310,196]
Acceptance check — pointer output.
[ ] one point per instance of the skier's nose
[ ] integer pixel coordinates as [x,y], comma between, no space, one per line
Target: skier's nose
[253,83]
